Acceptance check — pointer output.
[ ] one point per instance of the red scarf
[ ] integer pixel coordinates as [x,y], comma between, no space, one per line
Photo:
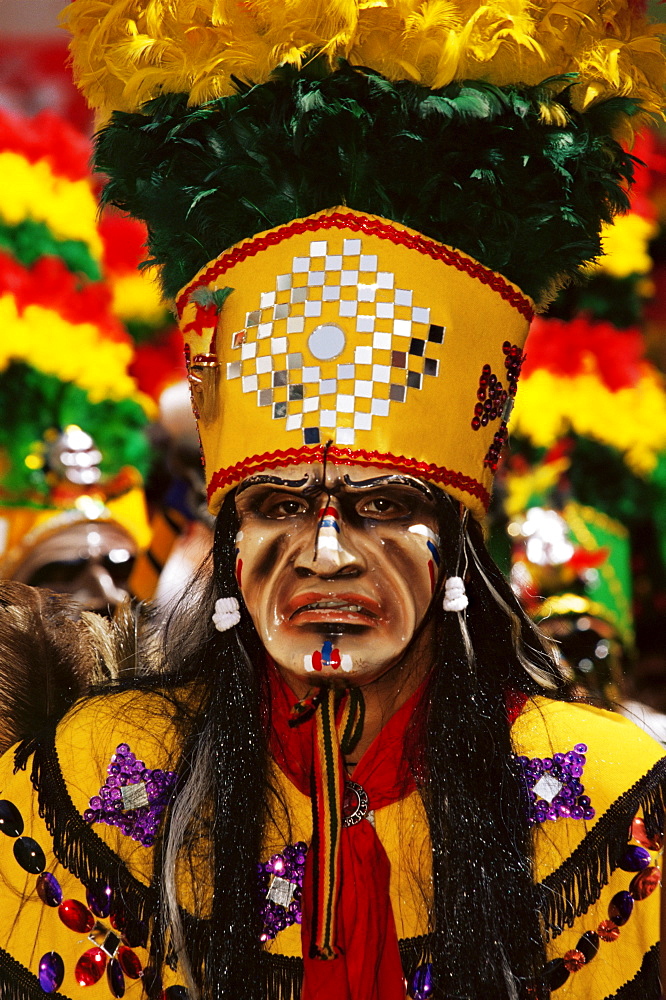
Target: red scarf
[367,966]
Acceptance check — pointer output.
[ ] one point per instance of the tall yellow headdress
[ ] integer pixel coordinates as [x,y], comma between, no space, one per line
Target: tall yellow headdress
[358,206]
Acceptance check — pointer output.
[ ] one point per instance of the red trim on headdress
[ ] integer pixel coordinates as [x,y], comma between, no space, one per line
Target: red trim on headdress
[374,227]
[347,456]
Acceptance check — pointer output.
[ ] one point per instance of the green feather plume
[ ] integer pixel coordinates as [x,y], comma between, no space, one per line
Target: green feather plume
[471,165]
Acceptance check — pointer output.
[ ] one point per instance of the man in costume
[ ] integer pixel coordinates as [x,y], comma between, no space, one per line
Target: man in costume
[353,776]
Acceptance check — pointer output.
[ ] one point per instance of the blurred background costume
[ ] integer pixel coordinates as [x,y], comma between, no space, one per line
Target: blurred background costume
[73,448]
[582,494]
[88,349]
[357,212]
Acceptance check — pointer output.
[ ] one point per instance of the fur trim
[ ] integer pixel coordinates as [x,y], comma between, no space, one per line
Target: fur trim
[50,657]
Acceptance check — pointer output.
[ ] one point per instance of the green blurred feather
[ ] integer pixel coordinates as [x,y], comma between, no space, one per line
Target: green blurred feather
[33,403]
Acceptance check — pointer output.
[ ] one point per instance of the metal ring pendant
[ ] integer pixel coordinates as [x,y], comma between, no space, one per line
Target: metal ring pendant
[354,804]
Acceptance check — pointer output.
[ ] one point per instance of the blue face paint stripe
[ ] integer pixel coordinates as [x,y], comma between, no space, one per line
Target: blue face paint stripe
[326,651]
[434,552]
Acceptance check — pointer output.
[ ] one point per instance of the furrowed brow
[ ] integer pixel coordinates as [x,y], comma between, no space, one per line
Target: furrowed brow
[267,480]
[394,480]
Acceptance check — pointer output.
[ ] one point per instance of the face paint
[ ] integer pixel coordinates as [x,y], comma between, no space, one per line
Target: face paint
[432,544]
[334,577]
[239,561]
[327,656]
[329,545]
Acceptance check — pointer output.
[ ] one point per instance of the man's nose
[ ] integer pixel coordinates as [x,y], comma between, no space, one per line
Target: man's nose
[332,551]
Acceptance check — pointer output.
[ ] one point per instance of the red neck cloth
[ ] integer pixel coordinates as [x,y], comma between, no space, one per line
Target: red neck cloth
[368,965]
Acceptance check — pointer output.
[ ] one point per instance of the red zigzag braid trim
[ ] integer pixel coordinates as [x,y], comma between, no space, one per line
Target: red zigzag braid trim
[345,456]
[374,227]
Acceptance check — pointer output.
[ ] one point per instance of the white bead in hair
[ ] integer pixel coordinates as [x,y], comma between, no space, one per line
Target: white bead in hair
[227,613]
[455,598]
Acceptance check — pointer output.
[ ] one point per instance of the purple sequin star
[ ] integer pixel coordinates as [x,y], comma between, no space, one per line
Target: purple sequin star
[132,798]
[554,786]
[280,889]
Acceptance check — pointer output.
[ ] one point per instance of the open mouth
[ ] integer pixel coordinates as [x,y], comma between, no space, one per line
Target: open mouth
[350,609]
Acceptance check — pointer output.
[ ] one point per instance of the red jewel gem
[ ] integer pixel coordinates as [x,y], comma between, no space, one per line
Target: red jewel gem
[129,962]
[574,960]
[644,884]
[76,916]
[90,967]
[639,833]
[607,931]
[350,800]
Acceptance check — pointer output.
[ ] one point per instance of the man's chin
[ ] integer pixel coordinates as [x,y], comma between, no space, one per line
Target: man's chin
[350,671]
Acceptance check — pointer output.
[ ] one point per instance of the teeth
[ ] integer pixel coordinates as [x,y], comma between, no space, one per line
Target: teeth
[333,604]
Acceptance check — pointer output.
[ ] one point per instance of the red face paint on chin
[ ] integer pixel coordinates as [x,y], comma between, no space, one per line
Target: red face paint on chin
[431,571]
[329,656]
[239,572]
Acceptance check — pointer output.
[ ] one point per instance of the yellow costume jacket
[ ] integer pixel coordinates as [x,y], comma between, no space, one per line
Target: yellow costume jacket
[80,810]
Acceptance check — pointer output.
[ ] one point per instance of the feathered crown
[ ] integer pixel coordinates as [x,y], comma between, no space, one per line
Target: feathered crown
[72,444]
[366,202]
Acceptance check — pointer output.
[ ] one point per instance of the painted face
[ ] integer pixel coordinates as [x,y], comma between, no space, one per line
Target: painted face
[337,574]
[90,561]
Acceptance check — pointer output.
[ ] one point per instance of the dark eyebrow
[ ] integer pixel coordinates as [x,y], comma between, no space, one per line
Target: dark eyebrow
[367,484]
[271,481]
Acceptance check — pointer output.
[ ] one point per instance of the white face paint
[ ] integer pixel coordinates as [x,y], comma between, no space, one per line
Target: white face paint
[337,574]
[432,553]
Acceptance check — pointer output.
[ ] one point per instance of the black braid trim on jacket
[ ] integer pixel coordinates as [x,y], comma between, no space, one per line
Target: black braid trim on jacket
[78,847]
[569,891]
[646,983]
[18,983]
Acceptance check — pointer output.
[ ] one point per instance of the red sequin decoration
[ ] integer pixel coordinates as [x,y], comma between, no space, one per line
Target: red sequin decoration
[608,931]
[291,456]
[494,401]
[574,960]
[76,916]
[639,833]
[515,702]
[90,967]
[374,227]
[645,883]
[129,962]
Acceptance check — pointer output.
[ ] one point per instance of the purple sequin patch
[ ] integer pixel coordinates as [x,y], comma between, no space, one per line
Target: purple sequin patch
[133,797]
[280,889]
[555,789]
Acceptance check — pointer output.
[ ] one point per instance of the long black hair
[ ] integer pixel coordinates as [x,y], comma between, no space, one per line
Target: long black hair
[485,934]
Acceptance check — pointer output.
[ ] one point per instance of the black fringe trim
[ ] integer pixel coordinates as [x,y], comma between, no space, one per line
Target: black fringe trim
[76,846]
[17,983]
[283,974]
[569,891]
[646,983]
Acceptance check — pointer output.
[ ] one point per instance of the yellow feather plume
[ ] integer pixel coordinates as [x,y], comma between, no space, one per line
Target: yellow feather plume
[128,51]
